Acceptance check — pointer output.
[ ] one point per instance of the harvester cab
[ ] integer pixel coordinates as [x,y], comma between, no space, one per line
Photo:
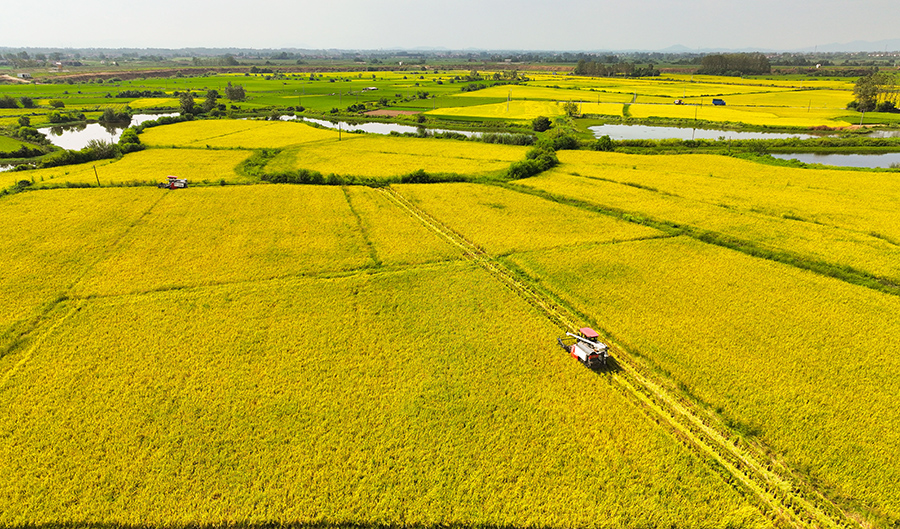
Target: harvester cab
[173,182]
[586,347]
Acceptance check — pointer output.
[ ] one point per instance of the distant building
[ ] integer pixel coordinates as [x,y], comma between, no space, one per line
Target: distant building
[24,75]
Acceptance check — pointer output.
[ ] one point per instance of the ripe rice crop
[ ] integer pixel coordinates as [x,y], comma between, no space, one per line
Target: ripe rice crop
[805,363]
[225,234]
[860,201]
[613,189]
[512,110]
[426,397]
[803,99]
[155,102]
[764,83]
[773,116]
[54,237]
[396,238]
[503,221]
[148,166]
[659,86]
[383,156]
[244,134]
[525,92]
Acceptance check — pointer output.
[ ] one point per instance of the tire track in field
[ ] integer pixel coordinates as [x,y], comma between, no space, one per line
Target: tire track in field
[777,492]
[34,326]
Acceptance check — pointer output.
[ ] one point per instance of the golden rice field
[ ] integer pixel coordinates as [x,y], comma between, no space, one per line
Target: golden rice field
[527,92]
[657,86]
[377,156]
[244,134]
[151,165]
[271,354]
[155,102]
[806,364]
[859,201]
[503,221]
[802,99]
[837,84]
[794,103]
[829,244]
[366,396]
[55,237]
[513,110]
[387,232]
[771,116]
[232,234]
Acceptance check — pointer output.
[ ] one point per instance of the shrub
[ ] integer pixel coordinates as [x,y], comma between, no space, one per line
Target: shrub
[603,143]
[540,124]
[56,103]
[507,139]
[8,102]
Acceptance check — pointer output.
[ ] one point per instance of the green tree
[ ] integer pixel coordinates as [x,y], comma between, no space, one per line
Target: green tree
[24,121]
[570,108]
[186,100]
[866,92]
[235,93]
[540,123]
[8,102]
[210,102]
[27,102]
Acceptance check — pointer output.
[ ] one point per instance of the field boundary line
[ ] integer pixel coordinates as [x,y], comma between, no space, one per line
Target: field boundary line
[779,496]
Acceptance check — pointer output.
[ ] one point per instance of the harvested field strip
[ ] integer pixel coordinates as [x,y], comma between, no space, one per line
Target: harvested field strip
[781,496]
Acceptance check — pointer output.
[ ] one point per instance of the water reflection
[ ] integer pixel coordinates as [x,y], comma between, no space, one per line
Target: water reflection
[645,132]
[845,160]
[75,136]
[373,127]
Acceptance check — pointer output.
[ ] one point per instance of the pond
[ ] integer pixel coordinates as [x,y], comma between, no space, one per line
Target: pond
[77,136]
[884,134]
[844,160]
[645,132]
[374,127]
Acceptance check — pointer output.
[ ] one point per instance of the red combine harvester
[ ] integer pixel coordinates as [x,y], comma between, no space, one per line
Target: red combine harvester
[586,347]
[173,183]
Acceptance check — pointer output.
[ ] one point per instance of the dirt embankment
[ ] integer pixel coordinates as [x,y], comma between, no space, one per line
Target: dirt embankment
[10,79]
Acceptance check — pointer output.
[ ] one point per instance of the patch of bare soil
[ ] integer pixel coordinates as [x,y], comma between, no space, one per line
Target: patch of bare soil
[11,79]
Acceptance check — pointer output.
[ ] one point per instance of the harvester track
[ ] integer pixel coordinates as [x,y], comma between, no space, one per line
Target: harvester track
[782,495]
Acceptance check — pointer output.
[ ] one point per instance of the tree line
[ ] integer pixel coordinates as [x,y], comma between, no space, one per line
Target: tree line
[735,64]
[619,69]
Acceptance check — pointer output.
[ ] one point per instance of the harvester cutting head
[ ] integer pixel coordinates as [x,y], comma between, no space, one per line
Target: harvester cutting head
[586,347]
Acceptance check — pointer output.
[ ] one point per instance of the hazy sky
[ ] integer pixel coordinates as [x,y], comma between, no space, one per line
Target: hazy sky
[455,24]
